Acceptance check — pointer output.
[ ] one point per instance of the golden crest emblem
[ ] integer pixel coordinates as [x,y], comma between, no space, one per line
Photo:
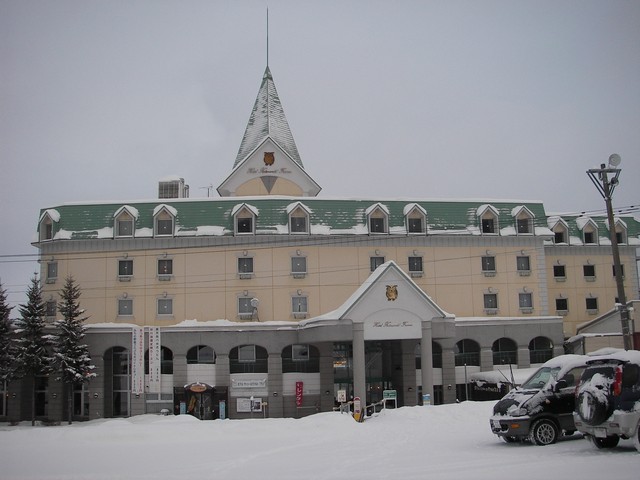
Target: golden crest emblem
[392,293]
[269,158]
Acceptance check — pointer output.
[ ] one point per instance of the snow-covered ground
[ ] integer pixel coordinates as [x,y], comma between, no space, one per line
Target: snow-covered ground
[438,442]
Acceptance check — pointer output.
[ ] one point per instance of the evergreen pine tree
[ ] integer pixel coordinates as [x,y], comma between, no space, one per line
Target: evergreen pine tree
[71,359]
[7,341]
[32,356]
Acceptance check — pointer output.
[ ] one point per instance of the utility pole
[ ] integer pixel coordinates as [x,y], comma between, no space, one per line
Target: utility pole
[605,179]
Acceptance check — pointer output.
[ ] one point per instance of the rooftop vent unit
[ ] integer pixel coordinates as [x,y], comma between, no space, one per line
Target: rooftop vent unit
[173,187]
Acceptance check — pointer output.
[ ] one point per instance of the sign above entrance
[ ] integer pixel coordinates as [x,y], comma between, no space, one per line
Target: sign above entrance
[392,329]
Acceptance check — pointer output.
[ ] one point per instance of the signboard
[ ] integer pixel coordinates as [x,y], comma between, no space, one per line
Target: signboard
[246,405]
[222,406]
[299,394]
[357,410]
[389,394]
[426,399]
[342,396]
[155,360]
[137,360]
[249,383]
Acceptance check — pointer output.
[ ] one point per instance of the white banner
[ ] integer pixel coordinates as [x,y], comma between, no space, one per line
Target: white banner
[155,360]
[137,360]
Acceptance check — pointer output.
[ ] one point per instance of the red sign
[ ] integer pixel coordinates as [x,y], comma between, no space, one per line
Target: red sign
[299,394]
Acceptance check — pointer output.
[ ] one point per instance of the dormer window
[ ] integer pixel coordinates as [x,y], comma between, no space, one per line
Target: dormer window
[47,220]
[124,221]
[378,219]
[416,218]
[621,232]
[560,231]
[163,220]
[524,220]
[244,219]
[298,219]
[488,219]
[590,235]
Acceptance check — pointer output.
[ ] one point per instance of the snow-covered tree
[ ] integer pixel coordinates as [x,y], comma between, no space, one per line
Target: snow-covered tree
[7,341]
[32,355]
[71,359]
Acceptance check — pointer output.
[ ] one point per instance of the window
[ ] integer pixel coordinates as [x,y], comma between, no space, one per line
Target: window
[245,309]
[491,302]
[245,267]
[488,225]
[589,236]
[562,305]
[300,359]
[165,268]
[201,354]
[244,219]
[488,265]
[165,306]
[50,308]
[592,304]
[125,307]
[523,265]
[525,301]
[52,272]
[248,359]
[46,228]
[559,237]
[299,224]
[621,270]
[559,273]
[523,225]
[298,267]
[124,226]
[540,350]
[621,235]
[299,306]
[467,352]
[247,353]
[415,225]
[375,262]
[163,223]
[415,266]
[589,272]
[300,353]
[377,225]
[125,269]
[505,352]
[245,225]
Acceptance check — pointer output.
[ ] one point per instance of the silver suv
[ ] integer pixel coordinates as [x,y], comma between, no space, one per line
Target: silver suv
[608,399]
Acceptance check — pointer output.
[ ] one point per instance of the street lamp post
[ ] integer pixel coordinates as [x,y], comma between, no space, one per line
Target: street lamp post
[605,179]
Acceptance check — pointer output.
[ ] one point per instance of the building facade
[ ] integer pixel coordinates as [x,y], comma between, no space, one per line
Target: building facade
[274,301]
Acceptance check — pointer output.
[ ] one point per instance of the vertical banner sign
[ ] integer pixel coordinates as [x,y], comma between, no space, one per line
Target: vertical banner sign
[299,391]
[154,360]
[137,360]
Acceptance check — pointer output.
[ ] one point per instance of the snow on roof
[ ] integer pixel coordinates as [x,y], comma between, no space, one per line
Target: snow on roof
[166,207]
[53,214]
[375,206]
[292,206]
[133,211]
[582,221]
[239,206]
[410,206]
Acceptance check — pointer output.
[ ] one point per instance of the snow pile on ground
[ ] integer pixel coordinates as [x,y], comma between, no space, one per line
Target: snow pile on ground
[440,442]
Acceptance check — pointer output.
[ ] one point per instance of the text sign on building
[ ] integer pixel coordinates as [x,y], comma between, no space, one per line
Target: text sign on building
[299,393]
[155,360]
[137,360]
[389,394]
[342,396]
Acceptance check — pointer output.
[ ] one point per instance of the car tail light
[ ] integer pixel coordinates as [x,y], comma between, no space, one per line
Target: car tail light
[617,381]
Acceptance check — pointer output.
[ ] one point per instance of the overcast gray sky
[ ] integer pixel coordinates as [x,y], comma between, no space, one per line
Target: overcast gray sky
[423,99]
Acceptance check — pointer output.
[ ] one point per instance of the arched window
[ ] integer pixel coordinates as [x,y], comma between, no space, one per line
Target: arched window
[540,350]
[201,354]
[300,359]
[248,359]
[505,352]
[467,352]
[166,361]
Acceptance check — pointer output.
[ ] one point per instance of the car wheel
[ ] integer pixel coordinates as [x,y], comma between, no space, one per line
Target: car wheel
[590,409]
[607,442]
[543,432]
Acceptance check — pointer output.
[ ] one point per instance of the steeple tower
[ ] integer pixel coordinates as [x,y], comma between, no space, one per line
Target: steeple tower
[268,161]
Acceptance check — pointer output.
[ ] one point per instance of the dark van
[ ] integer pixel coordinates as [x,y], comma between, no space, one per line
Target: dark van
[541,409]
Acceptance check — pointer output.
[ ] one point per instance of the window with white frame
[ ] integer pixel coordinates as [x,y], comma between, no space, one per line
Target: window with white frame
[559,273]
[591,304]
[163,223]
[375,262]
[125,307]
[525,301]
[416,220]
[298,266]
[560,233]
[589,235]
[299,221]
[491,302]
[299,305]
[589,272]
[165,268]
[621,270]
[46,228]
[377,220]
[488,265]
[562,305]
[52,272]
[165,306]
[524,222]
[415,265]
[489,221]
[50,309]
[621,234]
[244,221]
[523,265]
[245,267]
[124,225]
[245,309]
[125,269]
